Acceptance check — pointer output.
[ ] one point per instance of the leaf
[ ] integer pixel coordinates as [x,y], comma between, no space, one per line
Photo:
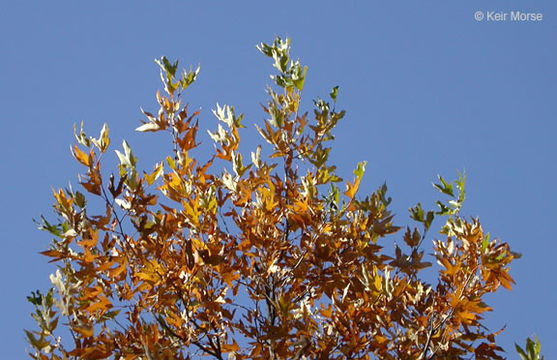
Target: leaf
[334,93]
[80,200]
[417,213]
[84,330]
[428,220]
[39,343]
[80,156]
[443,209]
[127,160]
[189,77]
[102,304]
[521,352]
[485,243]
[92,187]
[124,204]
[444,187]
[351,189]
[81,137]
[46,226]
[412,238]
[300,78]
[532,352]
[227,348]
[149,126]
[150,178]
[104,139]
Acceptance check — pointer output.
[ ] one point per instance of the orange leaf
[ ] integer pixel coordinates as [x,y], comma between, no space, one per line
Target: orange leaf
[103,304]
[231,347]
[85,330]
[81,156]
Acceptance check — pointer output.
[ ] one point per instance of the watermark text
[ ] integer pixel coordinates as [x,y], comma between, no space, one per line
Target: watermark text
[509,16]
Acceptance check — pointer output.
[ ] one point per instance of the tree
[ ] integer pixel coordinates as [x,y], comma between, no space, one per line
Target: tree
[266,260]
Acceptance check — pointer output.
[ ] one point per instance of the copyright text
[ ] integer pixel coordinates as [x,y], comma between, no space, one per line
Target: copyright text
[511,16]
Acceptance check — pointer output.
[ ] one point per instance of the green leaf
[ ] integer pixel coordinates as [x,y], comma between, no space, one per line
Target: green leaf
[46,226]
[443,209]
[80,200]
[36,298]
[485,242]
[444,187]
[334,93]
[532,352]
[171,162]
[298,76]
[167,67]
[417,213]
[36,343]
[264,49]
[382,191]
[460,184]
[429,219]
[521,352]
[188,77]
[359,171]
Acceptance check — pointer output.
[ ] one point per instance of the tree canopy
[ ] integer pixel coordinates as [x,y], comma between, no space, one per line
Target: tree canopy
[275,258]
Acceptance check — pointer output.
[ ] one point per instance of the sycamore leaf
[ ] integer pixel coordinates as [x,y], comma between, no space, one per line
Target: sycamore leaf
[351,189]
[104,139]
[149,126]
[124,204]
[150,178]
[231,347]
[84,330]
[412,238]
[80,156]
[127,160]
[444,187]
[334,94]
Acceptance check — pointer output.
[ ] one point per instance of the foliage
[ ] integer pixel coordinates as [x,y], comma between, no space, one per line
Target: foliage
[266,260]
[533,350]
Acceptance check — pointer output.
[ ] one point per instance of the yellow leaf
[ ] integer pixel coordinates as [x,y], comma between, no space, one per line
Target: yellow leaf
[147,277]
[62,200]
[351,190]
[466,317]
[80,156]
[191,212]
[154,175]
[380,339]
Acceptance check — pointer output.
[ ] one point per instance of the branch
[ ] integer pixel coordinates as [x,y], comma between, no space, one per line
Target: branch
[196,343]
[435,328]
[304,343]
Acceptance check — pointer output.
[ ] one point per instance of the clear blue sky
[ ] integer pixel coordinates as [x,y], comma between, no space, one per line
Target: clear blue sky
[427,88]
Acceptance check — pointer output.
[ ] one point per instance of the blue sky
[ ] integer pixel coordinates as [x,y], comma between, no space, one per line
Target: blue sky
[427,89]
